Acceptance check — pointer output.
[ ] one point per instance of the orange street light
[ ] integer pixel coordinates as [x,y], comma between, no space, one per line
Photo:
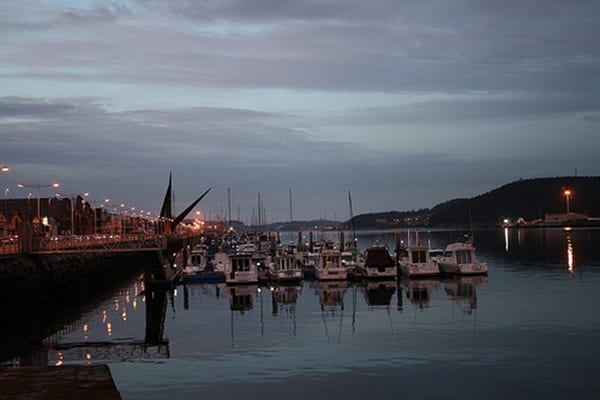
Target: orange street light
[567,194]
[38,187]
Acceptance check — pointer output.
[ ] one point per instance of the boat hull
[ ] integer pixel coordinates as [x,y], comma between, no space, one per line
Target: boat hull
[419,270]
[331,274]
[463,269]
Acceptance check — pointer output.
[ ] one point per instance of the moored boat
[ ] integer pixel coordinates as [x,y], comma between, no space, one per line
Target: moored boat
[377,264]
[415,261]
[330,266]
[459,259]
[284,268]
[239,268]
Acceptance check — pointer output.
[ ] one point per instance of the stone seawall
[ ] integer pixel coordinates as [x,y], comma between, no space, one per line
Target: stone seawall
[40,294]
[66,276]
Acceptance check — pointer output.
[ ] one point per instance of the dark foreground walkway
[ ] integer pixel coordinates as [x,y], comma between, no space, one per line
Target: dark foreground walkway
[64,382]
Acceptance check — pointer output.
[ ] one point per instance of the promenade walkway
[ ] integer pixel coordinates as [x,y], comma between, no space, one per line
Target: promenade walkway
[65,244]
[65,382]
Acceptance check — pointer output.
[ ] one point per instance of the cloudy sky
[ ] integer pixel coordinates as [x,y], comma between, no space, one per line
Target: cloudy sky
[407,103]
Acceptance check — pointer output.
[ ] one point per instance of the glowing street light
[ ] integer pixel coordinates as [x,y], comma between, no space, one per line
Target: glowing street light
[39,187]
[5,168]
[567,194]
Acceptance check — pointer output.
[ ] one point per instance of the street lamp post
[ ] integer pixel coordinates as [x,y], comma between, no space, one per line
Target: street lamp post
[5,168]
[71,197]
[95,202]
[39,187]
[567,194]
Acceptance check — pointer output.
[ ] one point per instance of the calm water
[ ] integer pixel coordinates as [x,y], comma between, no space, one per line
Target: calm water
[530,329]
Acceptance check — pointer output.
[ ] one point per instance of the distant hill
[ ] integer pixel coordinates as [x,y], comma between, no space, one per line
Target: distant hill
[530,199]
[320,224]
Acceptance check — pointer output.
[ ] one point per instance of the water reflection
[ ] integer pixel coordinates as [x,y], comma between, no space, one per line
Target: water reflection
[331,295]
[463,291]
[378,293]
[570,255]
[241,297]
[284,298]
[418,291]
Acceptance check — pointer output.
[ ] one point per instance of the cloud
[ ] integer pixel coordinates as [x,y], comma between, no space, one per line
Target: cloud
[343,46]
[476,107]
[443,98]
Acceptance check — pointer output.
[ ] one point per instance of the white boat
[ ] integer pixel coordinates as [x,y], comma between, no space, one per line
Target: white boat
[239,268]
[309,262]
[377,264]
[330,266]
[435,254]
[350,259]
[197,260]
[415,262]
[459,259]
[284,268]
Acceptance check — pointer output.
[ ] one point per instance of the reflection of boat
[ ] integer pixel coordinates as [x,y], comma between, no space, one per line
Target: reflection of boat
[284,268]
[462,290]
[459,259]
[379,293]
[241,297]
[378,263]
[284,296]
[330,266]
[331,294]
[240,268]
[418,291]
[415,261]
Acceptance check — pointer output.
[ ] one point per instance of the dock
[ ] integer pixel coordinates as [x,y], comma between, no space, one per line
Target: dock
[64,382]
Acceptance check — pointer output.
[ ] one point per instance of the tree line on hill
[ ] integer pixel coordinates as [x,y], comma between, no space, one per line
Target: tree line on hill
[529,199]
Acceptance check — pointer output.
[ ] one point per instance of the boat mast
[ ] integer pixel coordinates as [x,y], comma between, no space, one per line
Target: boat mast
[351,217]
[229,206]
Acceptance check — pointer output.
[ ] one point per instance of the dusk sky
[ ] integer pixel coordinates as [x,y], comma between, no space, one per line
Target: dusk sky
[405,103]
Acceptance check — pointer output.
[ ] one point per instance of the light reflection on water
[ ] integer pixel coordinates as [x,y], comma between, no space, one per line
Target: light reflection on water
[529,329]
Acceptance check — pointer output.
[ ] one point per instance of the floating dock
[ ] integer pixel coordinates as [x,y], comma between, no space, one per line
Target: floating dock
[89,382]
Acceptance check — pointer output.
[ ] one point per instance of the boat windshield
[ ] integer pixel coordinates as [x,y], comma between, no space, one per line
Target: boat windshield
[464,257]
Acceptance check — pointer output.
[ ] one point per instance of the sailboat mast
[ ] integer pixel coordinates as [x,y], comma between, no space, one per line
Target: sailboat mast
[229,206]
[291,214]
[351,216]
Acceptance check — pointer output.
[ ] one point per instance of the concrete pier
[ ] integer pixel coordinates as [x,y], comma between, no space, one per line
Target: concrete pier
[66,382]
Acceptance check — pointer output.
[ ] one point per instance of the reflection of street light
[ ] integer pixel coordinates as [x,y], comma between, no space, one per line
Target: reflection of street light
[38,187]
[567,194]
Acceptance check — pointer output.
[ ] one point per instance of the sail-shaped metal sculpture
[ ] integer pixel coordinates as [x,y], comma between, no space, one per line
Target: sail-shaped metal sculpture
[166,212]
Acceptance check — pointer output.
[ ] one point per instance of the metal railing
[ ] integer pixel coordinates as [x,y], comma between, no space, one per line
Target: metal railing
[97,243]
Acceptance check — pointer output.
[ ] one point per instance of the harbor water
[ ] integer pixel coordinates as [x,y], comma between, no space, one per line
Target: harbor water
[530,329]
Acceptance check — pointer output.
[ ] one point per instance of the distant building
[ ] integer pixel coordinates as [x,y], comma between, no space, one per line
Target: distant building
[563,218]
